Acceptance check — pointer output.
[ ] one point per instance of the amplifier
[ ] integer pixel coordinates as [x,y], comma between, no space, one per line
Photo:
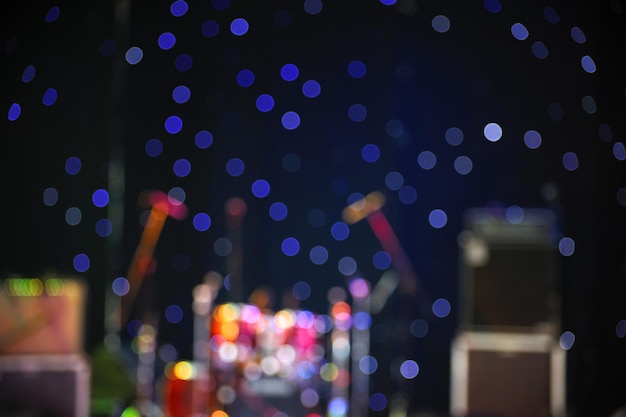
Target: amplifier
[507,375]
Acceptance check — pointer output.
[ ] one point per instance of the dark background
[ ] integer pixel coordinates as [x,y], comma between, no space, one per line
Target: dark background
[471,75]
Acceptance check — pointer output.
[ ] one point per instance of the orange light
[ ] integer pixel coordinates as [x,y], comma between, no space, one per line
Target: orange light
[230,331]
[226,313]
[184,370]
[219,413]
[284,319]
[340,310]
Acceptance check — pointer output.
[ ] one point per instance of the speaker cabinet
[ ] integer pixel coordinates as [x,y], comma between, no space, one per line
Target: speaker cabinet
[507,375]
[508,270]
[44,385]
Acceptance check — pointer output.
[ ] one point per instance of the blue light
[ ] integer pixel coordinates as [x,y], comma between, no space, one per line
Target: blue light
[578,35]
[202,222]
[570,161]
[567,339]
[72,165]
[567,246]
[370,153]
[49,97]
[357,69]
[620,329]
[265,103]
[362,320]
[203,139]
[179,8]
[260,188]
[409,369]
[154,147]
[29,74]
[441,308]
[210,28]
[441,23]
[107,47]
[278,211]
[221,5]
[134,55]
[239,27]
[53,14]
[290,246]
[318,255]
[166,41]
[354,197]
[394,128]
[174,314]
[81,262]
[357,112]
[120,286]
[50,196]
[368,365]
[245,78]
[589,105]
[492,132]
[388,2]
[588,64]
[176,195]
[381,260]
[181,94]
[519,32]
[100,198]
[340,231]
[494,6]
[301,290]
[551,15]
[291,162]
[235,167]
[347,266]
[619,151]
[104,227]
[337,407]
[463,165]
[454,136]
[313,6]
[438,218]
[378,401]
[289,72]
[183,62]
[73,216]
[182,167]
[14,112]
[290,120]
[540,50]
[311,89]
[394,180]
[532,139]
[407,195]
[605,132]
[419,328]
[173,124]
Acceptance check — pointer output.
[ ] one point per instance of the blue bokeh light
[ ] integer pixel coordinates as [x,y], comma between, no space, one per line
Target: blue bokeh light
[203,139]
[290,246]
[154,147]
[265,103]
[179,8]
[378,401]
[567,339]
[120,286]
[278,211]
[221,5]
[551,15]
[174,314]
[567,246]
[311,88]
[173,124]
[239,26]
[235,167]
[15,111]
[463,165]
[394,180]
[438,218]
[493,6]
[318,255]
[419,328]
[290,120]
[426,160]
[370,153]
[104,227]
[49,97]
[368,365]
[454,136]
[357,69]
[166,41]
[181,94]
[29,74]
[50,196]
[409,369]
[441,23]
[81,262]
[347,266]
[407,194]
[289,72]
[578,35]
[588,64]
[519,31]
[202,222]
[73,165]
[245,78]
[532,139]
[492,132]
[100,198]
[357,112]
[441,307]
[53,14]
[381,260]
[134,55]
[340,231]
[73,216]
[260,188]
[540,50]
[362,320]
[313,6]
[183,62]
[182,167]
[619,151]
[570,161]
[620,329]
[301,290]
[210,28]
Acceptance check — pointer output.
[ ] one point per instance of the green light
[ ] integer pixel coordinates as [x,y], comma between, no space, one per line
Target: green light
[130,412]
